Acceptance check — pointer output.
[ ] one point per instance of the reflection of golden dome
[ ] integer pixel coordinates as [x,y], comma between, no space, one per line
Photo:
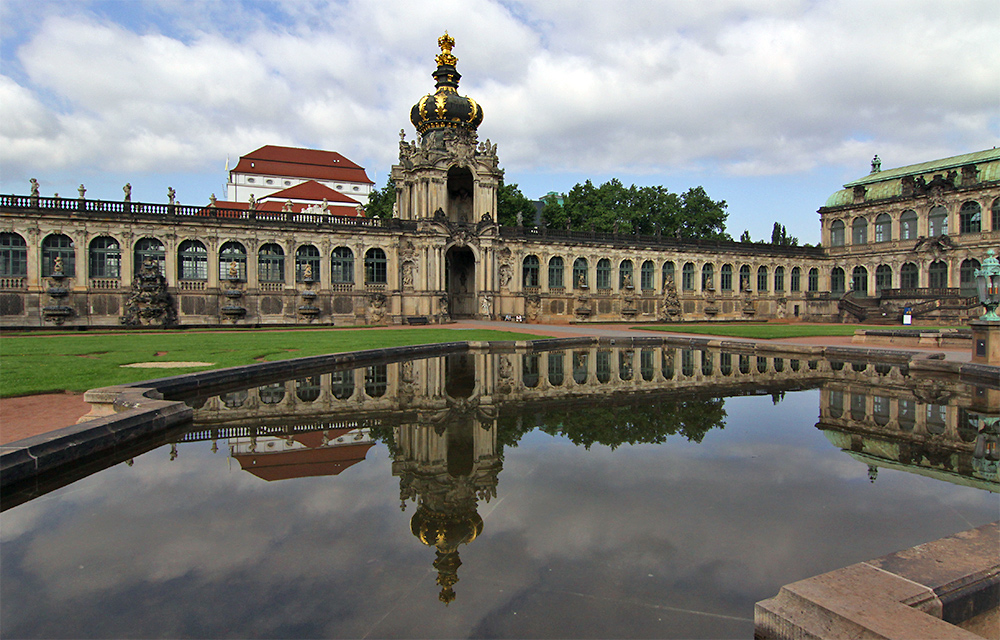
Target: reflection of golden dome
[445,109]
[445,532]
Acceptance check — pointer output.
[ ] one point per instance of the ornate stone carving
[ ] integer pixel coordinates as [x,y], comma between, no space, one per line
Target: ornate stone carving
[149,302]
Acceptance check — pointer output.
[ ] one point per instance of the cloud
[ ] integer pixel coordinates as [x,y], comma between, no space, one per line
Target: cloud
[740,87]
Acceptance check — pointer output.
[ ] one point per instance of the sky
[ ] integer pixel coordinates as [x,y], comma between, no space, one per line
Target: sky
[771,105]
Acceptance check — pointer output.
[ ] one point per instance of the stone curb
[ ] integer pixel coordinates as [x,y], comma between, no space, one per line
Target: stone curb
[921,592]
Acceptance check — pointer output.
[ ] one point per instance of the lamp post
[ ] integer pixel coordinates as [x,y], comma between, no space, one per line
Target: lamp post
[986,330]
[988,283]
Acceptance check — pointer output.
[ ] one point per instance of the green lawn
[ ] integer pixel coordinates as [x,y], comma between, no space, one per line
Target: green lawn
[762,331]
[77,362]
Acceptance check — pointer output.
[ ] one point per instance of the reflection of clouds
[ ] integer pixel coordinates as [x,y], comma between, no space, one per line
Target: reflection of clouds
[575,543]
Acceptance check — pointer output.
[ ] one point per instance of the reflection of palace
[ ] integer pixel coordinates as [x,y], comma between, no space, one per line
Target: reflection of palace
[446,420]
[906,237]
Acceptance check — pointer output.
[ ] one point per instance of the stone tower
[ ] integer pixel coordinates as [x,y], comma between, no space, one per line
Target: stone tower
[447,173]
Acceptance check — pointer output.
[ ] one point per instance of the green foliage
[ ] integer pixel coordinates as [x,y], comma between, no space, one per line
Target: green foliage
[780,237]
[75,362]
[613,207]
[510,201]
[381,201]
[745,237]
[645,421]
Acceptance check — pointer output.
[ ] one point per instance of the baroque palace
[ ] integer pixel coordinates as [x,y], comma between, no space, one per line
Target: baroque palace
[299,251]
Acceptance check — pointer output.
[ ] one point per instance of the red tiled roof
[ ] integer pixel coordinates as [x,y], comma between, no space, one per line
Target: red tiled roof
[303,463]
[312,190]
[272,160]
[225,208]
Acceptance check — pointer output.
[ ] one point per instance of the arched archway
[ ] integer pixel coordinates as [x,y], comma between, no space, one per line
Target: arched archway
[460,195]
[460,282]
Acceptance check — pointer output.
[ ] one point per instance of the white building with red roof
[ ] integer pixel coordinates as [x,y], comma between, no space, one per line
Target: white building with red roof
[304,176]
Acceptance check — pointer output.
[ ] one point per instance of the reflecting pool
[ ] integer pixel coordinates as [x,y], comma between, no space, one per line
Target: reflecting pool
[595,492]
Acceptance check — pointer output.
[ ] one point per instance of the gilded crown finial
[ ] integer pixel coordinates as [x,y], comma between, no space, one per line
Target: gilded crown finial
[446,43]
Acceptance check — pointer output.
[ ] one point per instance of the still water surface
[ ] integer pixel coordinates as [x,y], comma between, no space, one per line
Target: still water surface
[628,507]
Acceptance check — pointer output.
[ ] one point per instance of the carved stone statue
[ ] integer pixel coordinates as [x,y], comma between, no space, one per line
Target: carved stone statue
[443,305]
[287,207]
[487,306]
[34,188]
[82,191]
[307,272]
[253,202]
[876,164]
[211,200]
[234,270]
[171,194]
[407,274]
[520,219]
[128,191]
[505,275]
[376,308]
[57,265]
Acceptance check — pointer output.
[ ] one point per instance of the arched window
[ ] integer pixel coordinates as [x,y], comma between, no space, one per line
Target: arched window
[342,384]
[708,277]
[602,366]
[779,278]
[859,281]
[625,279]
[796,280]
[859,231]
[556,373]
[580,270]
[105,258]
[687,276]
[838,282]
[556,270]
[995,212]
[59,246]
[376,376]
[668,275]
[909,276]
[307,263]
[883,228]
[13,256]
[603,273]
[342,266]
[530,369]
[837,228]
[726,277]
[970,218]
[529,271]
[745,277]
[908,225]
[938,221]
[648,275]
[761,278]
[232,253]
[308,389]
[271,263]
[967,276]
[813,282]
[883,278]
[152,250]
[271,393]
[937,275]
[192,261]
[376,271]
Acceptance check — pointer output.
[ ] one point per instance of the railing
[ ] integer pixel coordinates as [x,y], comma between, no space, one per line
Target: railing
[118,209]
[657,240]
[272,286]
[342,287]
[925,292]
[9,282]
[192,285]
[105,284]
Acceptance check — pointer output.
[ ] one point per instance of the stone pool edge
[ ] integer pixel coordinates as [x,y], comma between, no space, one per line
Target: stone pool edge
[921,592]
[123,414]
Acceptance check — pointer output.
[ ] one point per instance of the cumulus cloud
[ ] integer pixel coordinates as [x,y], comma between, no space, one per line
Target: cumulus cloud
[747,88]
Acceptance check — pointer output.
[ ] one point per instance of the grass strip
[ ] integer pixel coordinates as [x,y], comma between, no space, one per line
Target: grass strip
[766,331]
[78,362]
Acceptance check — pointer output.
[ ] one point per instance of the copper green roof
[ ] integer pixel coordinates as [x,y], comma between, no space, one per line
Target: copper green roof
[888,184]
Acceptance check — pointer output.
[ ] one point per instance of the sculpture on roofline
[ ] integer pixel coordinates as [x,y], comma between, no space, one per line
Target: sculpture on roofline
[128,191]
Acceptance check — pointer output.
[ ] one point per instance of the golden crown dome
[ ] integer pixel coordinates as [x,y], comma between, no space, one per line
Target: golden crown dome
[445,109]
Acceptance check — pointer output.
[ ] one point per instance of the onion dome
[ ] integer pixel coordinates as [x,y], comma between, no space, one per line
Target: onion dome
[445,109]
[445,532]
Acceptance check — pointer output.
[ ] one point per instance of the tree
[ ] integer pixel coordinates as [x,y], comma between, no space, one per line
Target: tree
[510,201]
[613,207]
[381,201]
[746,236]
[780,237]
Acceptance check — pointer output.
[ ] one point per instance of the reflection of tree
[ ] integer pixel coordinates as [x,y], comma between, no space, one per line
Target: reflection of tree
[635,421]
